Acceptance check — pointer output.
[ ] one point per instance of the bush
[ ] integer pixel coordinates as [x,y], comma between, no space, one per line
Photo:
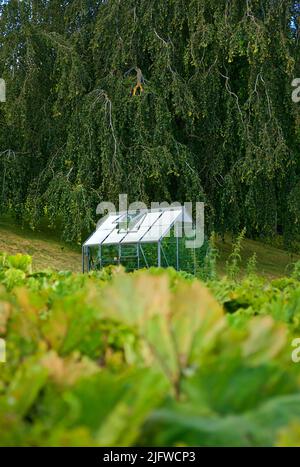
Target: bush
[146,358]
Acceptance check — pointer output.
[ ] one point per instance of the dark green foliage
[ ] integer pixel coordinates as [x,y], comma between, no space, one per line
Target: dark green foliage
[215,122]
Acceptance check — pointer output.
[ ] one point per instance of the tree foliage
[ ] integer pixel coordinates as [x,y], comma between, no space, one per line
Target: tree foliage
[214,122]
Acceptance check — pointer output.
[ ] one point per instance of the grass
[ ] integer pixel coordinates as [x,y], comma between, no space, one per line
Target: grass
[48,251]
[271,262]
[45,248]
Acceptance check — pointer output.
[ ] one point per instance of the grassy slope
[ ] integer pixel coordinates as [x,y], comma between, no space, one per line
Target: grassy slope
[48,252]
[271,262]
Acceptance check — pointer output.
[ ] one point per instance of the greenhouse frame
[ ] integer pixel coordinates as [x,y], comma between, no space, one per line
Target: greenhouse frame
[141,239]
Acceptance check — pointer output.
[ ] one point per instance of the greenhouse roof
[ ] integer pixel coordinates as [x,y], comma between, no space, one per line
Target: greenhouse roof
[146,226]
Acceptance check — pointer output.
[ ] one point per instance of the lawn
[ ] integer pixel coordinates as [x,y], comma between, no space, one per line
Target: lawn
[48,251]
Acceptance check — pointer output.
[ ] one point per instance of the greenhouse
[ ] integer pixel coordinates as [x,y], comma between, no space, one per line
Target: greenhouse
[142,239]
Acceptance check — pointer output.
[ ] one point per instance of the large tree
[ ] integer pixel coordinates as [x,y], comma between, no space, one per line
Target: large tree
[214,122]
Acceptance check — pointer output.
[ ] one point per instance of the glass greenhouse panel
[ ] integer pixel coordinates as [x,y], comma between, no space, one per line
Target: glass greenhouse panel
[162,226]
[114,237]
[103,230]
[136,235]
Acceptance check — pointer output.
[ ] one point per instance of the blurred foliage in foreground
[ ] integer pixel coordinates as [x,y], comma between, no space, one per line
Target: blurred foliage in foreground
[149,358]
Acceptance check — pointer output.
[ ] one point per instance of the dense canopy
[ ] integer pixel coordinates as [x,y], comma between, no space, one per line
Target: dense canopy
[164,100]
